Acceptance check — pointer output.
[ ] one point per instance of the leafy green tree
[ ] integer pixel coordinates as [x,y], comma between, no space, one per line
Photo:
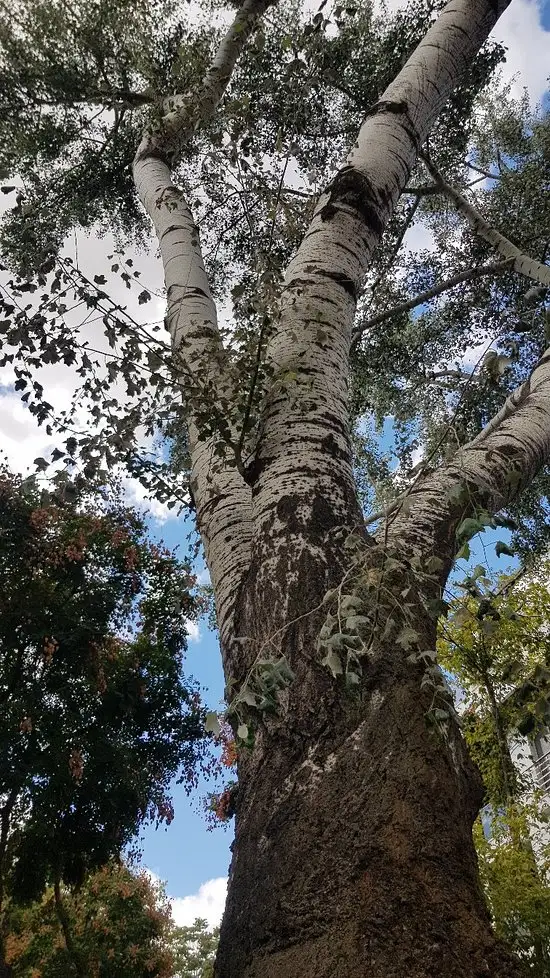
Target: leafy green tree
[194,950]
[516,886]
[96,717]
[116,925]
[356,794]
[496,645]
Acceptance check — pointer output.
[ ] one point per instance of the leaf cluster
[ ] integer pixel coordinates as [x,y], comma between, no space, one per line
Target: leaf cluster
[119,923]
[96,716]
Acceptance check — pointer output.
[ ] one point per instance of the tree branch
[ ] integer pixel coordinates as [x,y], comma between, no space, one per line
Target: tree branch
[468,276]
[488,473]
[305,423]
[520,262]
[64,922]
[223,499]
[407,223]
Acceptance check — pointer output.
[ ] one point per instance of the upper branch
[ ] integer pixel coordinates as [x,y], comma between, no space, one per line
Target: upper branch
[450,283]
[519,261]
[305,422]
[488,473]
[222,497]
[192,316]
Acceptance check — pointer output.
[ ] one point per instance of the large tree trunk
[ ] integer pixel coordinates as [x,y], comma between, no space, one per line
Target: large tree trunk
[353,854]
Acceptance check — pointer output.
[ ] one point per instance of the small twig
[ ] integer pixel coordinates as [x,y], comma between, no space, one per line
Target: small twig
[470,275]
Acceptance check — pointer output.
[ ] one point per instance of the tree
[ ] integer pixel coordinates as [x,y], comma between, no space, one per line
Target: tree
[118,925]
[356,795]
[96,716]
[517,889]
[194,950]
[495,643]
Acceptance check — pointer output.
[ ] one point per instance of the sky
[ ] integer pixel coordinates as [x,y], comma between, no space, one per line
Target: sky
[192,860]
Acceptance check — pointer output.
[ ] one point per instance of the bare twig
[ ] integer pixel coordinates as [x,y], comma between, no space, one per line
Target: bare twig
[467,276]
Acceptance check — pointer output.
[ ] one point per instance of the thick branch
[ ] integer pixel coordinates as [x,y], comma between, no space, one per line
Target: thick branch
[305,423]
[222,498]
[192,317]
[468,276]
[519,261]
[488,473]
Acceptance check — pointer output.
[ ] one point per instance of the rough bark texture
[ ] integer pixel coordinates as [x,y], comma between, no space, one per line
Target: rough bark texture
[353,853]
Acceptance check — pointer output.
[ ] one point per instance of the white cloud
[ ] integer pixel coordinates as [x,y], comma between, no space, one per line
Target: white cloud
[21,439]
[528,44]
[193,630]
[419,238]
[136,495]
[208,903]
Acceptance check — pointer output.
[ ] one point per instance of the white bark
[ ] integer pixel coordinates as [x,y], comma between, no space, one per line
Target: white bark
[519,261]
[305,420]
[192,315]
[492,469]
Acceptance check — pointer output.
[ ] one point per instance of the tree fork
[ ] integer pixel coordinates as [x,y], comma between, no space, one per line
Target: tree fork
[353,852]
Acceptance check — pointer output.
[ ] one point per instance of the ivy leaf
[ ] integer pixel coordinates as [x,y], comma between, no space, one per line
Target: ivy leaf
[334,663]
[41,464]
[503,548]
[143,297]
[407,637]
[355,622]
[100,280]
[242,731]
[437,607]
[468,529]
[464,553]
[248,697]
[457,493]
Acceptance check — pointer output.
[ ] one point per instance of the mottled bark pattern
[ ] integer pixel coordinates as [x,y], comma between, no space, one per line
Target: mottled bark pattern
[353,854]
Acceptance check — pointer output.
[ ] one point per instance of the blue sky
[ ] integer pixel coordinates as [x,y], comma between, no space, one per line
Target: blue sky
[186,853]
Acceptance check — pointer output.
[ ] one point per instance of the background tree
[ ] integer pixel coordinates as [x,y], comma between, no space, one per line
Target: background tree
[349,752]
[119,926]
[194,949]
[496,645]
[96,716]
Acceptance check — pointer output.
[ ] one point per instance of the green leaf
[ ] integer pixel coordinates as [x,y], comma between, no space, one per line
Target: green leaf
[355,622]
[334,663]
[248,697]
[407,636]
[437,607]
[468,529]
[242,731]
[503,548]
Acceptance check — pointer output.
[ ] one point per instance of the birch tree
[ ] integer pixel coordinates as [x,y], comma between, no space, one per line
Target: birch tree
[356,796]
